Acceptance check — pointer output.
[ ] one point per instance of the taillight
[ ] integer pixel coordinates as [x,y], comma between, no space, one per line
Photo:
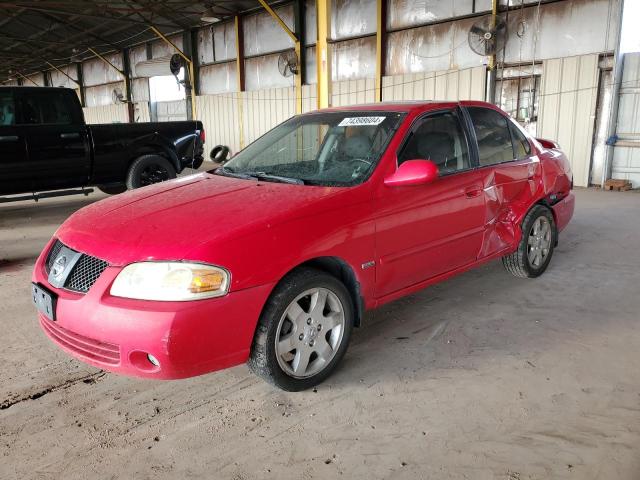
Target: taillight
[202,135]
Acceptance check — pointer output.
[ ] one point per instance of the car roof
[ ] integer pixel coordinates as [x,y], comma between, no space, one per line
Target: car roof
[409,106]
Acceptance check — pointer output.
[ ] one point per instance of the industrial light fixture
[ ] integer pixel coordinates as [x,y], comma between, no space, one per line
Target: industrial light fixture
[209,16]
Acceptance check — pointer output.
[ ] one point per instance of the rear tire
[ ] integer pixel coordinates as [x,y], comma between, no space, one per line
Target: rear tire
[536,246]
[303,331]
[149,169]
[113,189]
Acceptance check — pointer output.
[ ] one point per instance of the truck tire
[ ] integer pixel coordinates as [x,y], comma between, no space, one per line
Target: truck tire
[535,249]
[149,169]
[113,189]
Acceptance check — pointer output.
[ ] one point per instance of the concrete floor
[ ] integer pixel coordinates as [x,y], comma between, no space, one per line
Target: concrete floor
[484,376]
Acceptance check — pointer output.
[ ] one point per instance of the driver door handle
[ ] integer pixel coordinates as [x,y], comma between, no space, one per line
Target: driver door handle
[69,135]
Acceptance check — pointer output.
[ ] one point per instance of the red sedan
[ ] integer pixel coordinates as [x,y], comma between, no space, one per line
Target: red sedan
[274,257]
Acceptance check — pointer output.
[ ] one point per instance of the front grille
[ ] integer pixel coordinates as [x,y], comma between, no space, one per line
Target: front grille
[85,272]
[103,352]
[53,253]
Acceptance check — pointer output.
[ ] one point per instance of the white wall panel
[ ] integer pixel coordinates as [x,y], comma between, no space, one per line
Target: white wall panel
[353,59]
[432,48]
[407,13]
[565,29]
[141,112]
[218,78]
[568,107]
[140,90]
[98,72]
[353,92]
[219,115]
[626,159]
[262,72]
[37,78]
[102,95]
[352,18]
[160,48]
[136,55]
[60,80]
[107,114]
[264,109]
[467,84]
[262,34]
[309,98]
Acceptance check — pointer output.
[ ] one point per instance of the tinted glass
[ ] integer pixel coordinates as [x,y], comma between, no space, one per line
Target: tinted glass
[7,109]
[439,138]
[338,148]
[492,132]
[521,147]
[49,107]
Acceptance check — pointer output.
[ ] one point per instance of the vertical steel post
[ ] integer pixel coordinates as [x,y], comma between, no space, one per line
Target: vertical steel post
[323,53]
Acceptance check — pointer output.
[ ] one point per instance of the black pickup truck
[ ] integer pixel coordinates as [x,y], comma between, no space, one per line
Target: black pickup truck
[46,145]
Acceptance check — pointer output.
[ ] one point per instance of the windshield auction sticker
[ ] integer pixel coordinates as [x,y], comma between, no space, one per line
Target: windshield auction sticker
[358,121]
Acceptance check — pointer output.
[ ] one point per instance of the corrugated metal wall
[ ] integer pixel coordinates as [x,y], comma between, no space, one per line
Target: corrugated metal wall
[626,153]
[567,112]
[107,114]
[219,115]
[467,84]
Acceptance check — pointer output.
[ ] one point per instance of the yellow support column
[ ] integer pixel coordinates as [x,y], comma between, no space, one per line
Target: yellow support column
[323,57]
[381,17]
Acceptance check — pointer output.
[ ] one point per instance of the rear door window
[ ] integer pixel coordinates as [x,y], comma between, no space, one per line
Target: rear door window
[521,147]
[492,133]
[7,109]
[48,108]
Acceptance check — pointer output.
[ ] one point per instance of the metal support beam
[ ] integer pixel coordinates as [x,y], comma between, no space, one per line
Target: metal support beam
[323,54]
[26,78]
[189,67]
[127,84]
[297,47]
[240,76]
[126,70]
[83,98]
[381,43]
[63,73]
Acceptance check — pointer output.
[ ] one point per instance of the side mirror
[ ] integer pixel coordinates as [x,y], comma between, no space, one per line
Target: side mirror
[413,172]
[547,143]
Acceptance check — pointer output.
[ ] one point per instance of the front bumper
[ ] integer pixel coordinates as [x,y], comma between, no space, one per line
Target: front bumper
[118,334]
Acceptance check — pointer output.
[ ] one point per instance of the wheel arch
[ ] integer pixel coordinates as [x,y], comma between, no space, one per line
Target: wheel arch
[341,270]
[153,148]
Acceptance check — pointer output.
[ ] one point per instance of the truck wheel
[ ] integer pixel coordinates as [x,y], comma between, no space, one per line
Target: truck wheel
[113,189]
[303,331]
[149,169]
[535,249]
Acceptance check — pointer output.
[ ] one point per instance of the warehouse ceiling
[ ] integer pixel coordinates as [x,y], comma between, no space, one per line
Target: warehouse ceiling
[33,33]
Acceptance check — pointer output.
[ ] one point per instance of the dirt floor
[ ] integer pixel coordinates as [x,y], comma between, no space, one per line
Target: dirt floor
[484,376]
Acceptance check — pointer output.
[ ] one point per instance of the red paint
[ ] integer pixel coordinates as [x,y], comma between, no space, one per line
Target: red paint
[417,235]
[411,173]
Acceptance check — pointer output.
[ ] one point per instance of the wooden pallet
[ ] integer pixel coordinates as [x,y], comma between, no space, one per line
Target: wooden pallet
[617,185]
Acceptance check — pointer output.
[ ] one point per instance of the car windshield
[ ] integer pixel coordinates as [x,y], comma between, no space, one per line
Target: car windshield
[332,149]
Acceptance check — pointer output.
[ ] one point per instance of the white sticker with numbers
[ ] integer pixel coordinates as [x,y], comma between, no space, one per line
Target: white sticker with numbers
[359,121]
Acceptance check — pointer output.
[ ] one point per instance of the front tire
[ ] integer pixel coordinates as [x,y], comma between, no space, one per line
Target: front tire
[149,169]
[536,246]
[303,332]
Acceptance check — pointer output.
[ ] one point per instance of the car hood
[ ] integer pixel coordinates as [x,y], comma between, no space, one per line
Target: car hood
[168,220]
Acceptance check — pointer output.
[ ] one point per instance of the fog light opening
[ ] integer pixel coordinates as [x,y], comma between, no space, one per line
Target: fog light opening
[153,360]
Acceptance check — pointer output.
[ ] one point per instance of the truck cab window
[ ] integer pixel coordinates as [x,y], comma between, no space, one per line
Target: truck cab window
[7,109]
[50,109]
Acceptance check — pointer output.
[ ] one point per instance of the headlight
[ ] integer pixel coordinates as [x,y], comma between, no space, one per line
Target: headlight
[170,281]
